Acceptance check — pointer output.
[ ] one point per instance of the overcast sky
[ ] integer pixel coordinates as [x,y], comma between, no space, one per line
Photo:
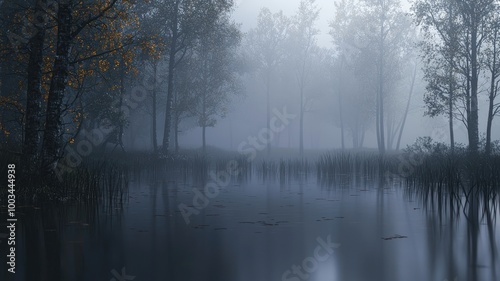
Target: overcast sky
[246,13]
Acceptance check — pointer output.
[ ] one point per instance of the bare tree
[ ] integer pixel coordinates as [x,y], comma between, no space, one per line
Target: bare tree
[493,65]
[455,61]
[266,45]
[216,72]
[303,43]
[439,21]
[377,34]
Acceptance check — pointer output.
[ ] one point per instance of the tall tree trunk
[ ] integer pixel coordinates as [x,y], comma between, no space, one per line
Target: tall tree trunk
[391,131]
[381,84]
[203,137]
[451,97]
[119,137]
[380,89]
[492,94]
[377,118]
[362,140]
[473,122]
[341,115]
[355,137]
[301,128]
[176,132]
[204,116]
[34,93]
[171,68]
[407,106]
[154,129]
[268,109]
[491,111]
[467,88]
[451,83]
[52,139]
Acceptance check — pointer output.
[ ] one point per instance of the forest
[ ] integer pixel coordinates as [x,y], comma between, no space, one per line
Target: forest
[104,102]
[76,80]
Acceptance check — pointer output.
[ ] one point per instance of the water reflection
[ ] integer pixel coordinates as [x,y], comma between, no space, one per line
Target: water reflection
[260,226]
[465,221]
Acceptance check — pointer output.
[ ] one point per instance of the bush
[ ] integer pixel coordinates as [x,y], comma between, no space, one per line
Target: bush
[427,146]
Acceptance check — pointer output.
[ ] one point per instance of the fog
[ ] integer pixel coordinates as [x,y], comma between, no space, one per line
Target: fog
[235,140]
[247,112]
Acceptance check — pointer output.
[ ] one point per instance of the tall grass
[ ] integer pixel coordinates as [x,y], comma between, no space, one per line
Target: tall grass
[457,180]
[284,170]
[345,168]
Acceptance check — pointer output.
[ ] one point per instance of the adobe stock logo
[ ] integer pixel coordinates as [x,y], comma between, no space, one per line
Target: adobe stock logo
[121,277]
[278,123]
[249,149]
[237,3]
[309,265]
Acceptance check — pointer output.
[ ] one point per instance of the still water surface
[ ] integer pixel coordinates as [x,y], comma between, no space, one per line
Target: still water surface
[256,231]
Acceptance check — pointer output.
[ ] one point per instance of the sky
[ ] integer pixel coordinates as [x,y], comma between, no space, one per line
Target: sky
[246,13]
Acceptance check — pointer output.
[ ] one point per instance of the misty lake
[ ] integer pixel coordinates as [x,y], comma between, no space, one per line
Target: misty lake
[255,229]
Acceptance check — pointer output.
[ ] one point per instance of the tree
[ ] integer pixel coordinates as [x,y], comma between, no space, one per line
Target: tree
[69,52]
[403,122]
[341,27]
[217,74]
[154,59]
[266,45]
[377,35]
[184,20]
[184,96]
[389,38]
[356,98]
[23,33]
[34,98]
[303,43]
[440,24]
[493,65]
[474,17]
[463,29]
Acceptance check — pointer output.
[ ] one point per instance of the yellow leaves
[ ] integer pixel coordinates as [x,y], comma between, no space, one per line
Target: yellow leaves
[115,87]
[5,131]
[77,78]
[134,71]
[103,65]
[153,47]
[77,117]
[128,58]
[47,63]
[83,72]
[12,102]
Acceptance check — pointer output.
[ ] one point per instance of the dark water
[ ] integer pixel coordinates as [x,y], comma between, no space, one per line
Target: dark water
[257,231]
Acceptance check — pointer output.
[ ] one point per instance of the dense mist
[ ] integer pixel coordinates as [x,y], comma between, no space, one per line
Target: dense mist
[235,140]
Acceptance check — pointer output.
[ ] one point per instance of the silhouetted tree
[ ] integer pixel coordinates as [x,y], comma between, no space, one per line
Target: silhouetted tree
[302,44]
[216,72]
[440,24]
[266,45]
[183,21]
